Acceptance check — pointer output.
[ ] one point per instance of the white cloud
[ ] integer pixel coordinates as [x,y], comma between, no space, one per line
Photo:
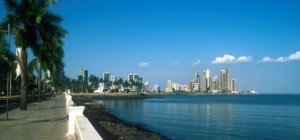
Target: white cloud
[244,59]
[281,59]
[144,64]
[197,62]
[291,57]
[174,63]
[227,58]
[295,56]
[267,59]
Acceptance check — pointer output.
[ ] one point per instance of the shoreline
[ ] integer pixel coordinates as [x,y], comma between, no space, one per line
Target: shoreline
[145,96]
[110,126]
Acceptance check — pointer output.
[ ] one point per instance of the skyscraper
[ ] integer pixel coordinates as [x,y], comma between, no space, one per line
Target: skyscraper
[169,86]
[214,83]
[234,85]
[203,81]
[228,80]
[196,78]
[222,81]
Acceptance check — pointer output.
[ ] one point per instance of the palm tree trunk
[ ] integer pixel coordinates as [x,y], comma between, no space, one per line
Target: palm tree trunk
[39,85]
[22,60]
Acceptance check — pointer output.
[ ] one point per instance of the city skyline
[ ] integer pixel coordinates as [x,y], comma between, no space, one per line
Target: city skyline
[204,82]
[172,39]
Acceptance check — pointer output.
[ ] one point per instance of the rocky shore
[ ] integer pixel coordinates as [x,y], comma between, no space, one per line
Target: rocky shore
[109,126]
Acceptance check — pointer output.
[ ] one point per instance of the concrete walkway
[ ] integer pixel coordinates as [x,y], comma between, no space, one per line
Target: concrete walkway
[42,121]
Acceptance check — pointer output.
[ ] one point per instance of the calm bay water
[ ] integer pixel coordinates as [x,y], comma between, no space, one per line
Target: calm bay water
[214,117]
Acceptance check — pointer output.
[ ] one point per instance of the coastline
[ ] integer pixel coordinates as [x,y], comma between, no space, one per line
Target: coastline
[148,95]
[111,127]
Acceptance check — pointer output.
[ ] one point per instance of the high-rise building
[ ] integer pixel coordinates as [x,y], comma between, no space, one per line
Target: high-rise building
[234,85]
[113,78]
[203,82]
[197,87]
[214,83]
[190,85]
[146,86]
[169,84]
[84,74]
[169,87]
[106,77]
[176,86]
[222,81]
[135,77]
[130,77]
[196,78]
[207,78]
[106,80]
[228,80]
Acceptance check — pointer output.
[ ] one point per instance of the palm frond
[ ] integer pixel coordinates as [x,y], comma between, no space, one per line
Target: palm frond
[11,5]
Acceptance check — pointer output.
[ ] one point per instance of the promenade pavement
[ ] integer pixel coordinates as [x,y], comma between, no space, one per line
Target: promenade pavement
[42,121]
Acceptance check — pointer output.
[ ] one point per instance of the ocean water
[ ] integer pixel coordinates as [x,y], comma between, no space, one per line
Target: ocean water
[214,117]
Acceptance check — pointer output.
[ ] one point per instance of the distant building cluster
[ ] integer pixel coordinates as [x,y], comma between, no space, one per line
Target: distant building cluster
[112,84]
[175,87]
[207,83]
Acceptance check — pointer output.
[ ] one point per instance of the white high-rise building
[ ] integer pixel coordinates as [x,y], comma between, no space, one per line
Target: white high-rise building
[113,78]
[214,83]
[176,86]
[146,86]
[196,78]
[169,86]
[190,86]
[222,80]
[203,81]
[228,80]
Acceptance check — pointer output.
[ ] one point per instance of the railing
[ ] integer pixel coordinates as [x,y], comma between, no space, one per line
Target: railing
[79,125]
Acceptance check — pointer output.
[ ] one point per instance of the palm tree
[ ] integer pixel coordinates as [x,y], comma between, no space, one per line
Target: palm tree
[6,60]
[26,18]
[80,81]
[94,81]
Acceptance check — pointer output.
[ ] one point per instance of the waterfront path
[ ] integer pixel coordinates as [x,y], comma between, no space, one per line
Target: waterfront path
[46,120]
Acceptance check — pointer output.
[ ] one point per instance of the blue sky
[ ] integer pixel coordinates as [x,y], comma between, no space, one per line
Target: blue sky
[168,36]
